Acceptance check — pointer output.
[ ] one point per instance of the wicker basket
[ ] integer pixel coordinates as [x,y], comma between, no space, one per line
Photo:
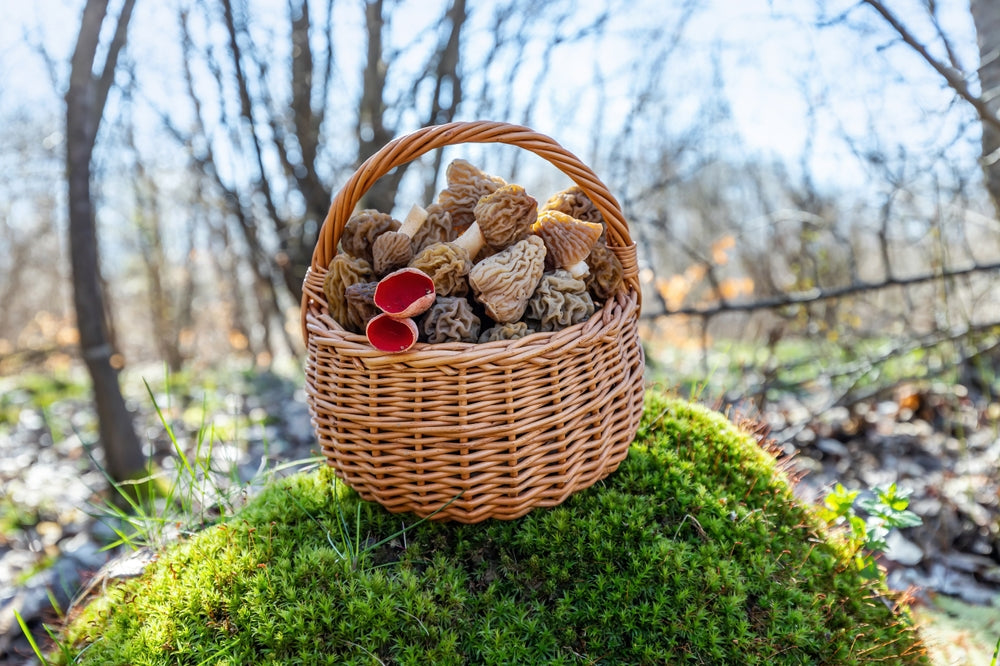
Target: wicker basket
[497,428]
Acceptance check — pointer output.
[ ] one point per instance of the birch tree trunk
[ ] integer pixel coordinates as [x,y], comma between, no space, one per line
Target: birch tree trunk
[85,101]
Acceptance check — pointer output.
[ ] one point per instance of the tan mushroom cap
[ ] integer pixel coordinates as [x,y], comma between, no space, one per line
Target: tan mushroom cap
[361,231]
[393,250]
[451,319]
[504,282]
[506,215]
[344,270]
[360,299]
[466,186]
[567,239]
[511,331]
[390,251]
[559,301]
[435,229]
[606,272]
[447,264]
[574,203]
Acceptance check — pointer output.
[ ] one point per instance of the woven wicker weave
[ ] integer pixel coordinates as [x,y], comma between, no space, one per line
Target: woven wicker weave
[497,428]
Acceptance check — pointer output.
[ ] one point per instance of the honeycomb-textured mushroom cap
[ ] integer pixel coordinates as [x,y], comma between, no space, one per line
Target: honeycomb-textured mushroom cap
[567,240]
[504,282]
[451,319]
[391,250]
[361,231]
[606,272]
[437,228]
[361,306]
[560,300]
[344,270]
[447,265]
[466,186]
[512,331]
[574,203]
[506,215]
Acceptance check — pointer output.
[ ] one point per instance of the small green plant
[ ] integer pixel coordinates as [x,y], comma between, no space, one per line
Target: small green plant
[885,510]
[153,510]
[345,538]
[15,517]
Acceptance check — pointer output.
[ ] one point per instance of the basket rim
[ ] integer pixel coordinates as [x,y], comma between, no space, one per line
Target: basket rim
[326,331]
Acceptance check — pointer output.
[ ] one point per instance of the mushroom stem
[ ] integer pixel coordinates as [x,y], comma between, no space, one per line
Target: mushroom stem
[579,270]
[414,220]
[471,240]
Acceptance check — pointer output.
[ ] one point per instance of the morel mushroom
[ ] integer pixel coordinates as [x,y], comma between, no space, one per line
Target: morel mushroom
[451,319]
[361,231]
[449,263]
[466,186]
[606,272]
[344,271]
[506,215]
[435,229]
[504,282]
[567,240]
[574,203]
[361,306]
[404,293]
[391,334]
[513,331]
[560,300]
[392,250]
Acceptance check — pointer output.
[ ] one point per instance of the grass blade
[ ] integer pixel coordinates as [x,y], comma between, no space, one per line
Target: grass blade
[31,639]
[170,432]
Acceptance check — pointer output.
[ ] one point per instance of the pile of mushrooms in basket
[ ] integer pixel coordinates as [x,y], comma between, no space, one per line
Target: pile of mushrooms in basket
[482,263]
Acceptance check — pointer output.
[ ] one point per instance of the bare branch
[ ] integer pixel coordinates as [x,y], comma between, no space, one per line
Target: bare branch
[954,77]
[817,295]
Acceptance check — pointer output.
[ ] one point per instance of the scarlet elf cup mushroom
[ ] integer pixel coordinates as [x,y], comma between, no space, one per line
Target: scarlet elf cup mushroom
[401,295]
[389,334]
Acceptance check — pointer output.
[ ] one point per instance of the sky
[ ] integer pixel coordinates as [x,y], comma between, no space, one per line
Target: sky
[775,63]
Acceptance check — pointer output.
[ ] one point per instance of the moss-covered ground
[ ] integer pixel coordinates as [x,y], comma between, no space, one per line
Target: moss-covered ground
[694,552]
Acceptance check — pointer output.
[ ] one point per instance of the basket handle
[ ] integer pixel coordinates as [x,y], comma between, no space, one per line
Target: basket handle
[411,146]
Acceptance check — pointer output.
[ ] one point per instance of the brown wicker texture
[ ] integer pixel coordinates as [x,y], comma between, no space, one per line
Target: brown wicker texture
[498,428]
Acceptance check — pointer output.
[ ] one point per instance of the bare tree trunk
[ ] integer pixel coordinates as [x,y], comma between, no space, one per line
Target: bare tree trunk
[448,82]
[85,100]
[372,131]
[167,317]
[986,17]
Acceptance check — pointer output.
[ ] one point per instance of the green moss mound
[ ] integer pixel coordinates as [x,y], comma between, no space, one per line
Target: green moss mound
[695,551]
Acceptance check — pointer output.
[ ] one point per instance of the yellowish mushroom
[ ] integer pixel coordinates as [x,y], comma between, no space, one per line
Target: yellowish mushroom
[567,240]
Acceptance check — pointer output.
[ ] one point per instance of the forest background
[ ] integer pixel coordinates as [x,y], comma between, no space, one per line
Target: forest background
[813,186]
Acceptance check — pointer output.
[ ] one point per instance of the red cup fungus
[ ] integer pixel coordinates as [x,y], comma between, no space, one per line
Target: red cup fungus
[391,334]
[405,293]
